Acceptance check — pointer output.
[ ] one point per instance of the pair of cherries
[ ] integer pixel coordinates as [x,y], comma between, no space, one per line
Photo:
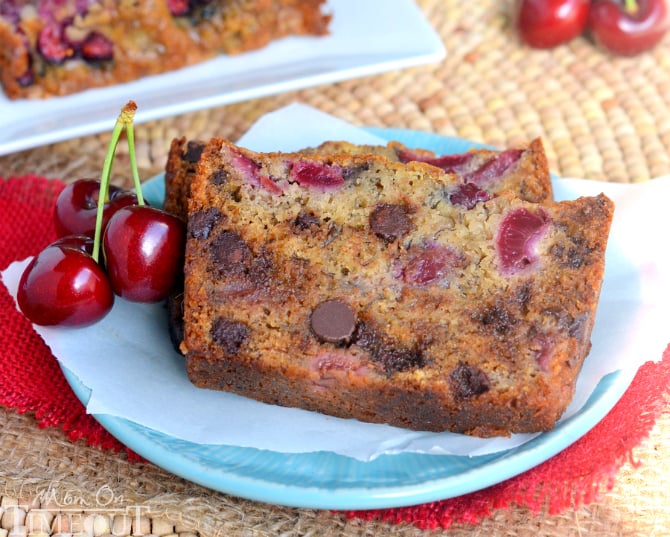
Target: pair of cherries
[623,27]
[68,284]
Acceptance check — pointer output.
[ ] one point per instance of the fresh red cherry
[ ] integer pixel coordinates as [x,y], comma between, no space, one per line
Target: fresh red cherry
[77,206]
[143,249]
[64,286]
[549,23]
[628,27]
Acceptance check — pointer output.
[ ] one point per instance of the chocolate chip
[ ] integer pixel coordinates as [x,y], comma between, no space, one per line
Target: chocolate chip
[573,255]
[467,381]
[193,151]
[497,318]
[574,326]
[305,220]
[577,328]
[230,335]
[354,171]
[390,355]
[200,224]
[390,221]
[218,177]
[230,253]
[366,337]
[398,359]
[333,321]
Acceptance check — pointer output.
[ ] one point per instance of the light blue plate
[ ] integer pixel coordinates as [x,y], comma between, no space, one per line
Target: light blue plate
[324,480]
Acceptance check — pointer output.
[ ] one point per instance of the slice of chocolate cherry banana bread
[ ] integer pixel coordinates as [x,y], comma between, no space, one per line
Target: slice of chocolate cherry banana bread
[356,286]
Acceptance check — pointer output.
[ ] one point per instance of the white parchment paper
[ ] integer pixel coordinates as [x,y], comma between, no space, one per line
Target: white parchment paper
[129,365]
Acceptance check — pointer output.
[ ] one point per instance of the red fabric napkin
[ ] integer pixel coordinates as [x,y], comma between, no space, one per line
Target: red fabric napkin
[31,381]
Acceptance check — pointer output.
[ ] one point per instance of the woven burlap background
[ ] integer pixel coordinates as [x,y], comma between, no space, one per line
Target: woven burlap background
[600,117]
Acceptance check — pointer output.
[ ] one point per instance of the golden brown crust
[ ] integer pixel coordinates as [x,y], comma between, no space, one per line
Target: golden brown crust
[451,331]
[180,167]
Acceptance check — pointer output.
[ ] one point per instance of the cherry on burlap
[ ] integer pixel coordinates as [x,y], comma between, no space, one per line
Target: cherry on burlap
[31,381]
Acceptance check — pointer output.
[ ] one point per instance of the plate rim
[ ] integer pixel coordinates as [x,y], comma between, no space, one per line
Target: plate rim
[523,458]
[507,465]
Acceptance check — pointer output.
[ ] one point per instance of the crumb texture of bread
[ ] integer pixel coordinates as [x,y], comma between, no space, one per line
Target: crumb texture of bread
[523,170]
[59,48]
[353,285]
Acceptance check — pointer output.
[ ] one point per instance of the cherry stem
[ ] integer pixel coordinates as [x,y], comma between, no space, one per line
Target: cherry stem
[630,6]
[130,133]
[122,122]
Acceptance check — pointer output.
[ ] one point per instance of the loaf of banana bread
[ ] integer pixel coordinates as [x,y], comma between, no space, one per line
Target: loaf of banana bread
[50,48]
